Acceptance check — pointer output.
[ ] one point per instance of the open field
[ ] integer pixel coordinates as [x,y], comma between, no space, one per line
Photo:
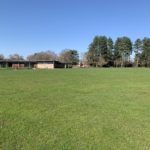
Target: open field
[75,109]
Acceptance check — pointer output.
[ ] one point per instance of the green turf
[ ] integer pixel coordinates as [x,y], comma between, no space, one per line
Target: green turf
[75,109]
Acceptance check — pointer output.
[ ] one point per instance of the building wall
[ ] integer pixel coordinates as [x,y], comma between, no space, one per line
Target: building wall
[33,64]
[45,66]
[59,65]
[17,66]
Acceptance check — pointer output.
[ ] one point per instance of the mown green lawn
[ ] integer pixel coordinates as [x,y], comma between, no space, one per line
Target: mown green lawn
[75,109]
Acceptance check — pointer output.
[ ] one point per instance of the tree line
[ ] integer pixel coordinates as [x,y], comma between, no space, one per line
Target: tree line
[102,52]
[66,55]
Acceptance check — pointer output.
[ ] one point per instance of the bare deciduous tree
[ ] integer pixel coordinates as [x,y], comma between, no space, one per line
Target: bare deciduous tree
[47,55]
[2,57]
[69,56]
[15,57]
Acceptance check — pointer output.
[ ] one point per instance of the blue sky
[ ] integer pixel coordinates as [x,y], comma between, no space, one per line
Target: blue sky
[28,26]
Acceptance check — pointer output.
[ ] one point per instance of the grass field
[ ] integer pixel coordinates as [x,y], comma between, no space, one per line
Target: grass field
[75,109]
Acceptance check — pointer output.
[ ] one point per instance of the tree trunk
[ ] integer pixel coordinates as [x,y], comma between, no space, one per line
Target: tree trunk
[137,63]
